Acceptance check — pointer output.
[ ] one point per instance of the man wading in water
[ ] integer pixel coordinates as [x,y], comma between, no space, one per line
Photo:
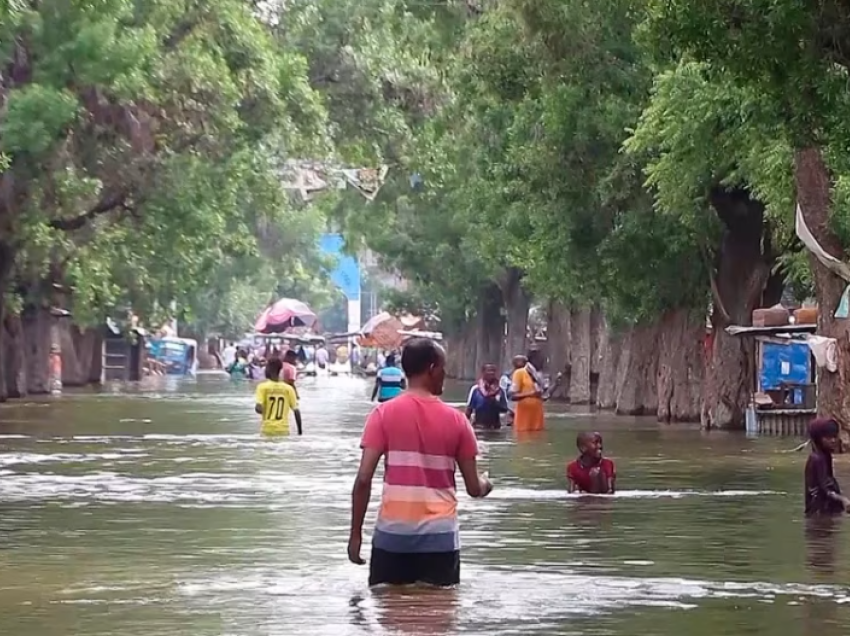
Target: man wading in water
[422,440]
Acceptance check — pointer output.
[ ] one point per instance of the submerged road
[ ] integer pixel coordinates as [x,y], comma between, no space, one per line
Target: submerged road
[160,511]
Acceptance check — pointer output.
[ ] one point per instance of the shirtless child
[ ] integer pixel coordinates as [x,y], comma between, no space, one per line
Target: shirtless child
[590,472]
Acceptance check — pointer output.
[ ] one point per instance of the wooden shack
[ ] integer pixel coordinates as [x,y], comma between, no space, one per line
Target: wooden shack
[784,385]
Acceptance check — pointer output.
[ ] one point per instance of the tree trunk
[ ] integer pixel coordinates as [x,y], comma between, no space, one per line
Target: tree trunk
[581,354]
[36,324]
[558,335]
[80,347]
[597,334]
[96,363]
[742,272]
[461,363]
[5,349]
[813,194]
[4,354]
[14,358]
[491,327]
[517,304]
[7,260]
[681,366]
[610,347]
[773,288]
[637,373]
[72,362]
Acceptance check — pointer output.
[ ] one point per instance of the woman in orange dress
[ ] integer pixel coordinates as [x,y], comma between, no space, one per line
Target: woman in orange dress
[527,392]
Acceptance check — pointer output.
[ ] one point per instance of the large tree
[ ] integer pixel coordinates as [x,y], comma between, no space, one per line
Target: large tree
[128,131]
[717,162]
[794,56]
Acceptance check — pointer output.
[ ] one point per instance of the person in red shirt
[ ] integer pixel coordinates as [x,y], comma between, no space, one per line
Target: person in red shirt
[590,472]
[423,442]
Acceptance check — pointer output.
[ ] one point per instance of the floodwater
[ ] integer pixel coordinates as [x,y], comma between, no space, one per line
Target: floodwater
[159,510]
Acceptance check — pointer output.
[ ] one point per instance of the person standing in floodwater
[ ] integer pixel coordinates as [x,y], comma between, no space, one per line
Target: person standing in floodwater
[228,356]
[322,357]
[487,400]
[389,381]
[422,441]
[527,392]
[823,495]
[290,369]
[274,400]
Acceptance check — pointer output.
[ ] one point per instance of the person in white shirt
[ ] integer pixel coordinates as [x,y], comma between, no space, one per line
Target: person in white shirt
[322,357]
[505,385]
[228,356]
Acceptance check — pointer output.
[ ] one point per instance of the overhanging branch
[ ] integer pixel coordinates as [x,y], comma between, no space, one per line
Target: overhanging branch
[716,298]
[105,205]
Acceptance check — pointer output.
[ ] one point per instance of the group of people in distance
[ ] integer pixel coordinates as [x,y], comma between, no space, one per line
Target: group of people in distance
[422,441]
[491,397]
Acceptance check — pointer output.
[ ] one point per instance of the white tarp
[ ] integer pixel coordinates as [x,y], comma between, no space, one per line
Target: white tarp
[842,270]
[309,178]
[825,351]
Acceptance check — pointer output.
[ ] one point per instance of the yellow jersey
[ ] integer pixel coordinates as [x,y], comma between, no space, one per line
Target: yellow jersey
[277,399]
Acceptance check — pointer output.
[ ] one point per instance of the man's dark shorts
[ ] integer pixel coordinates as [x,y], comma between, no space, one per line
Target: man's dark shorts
[397,568]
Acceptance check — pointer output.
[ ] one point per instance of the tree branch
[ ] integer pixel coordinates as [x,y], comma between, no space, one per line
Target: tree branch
[716,298]
[180,33]
[105,205]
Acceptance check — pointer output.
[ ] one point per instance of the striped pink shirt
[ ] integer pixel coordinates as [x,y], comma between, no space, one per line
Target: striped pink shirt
[421,438]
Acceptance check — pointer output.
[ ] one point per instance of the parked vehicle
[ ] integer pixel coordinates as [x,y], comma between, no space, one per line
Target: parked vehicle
[179,356]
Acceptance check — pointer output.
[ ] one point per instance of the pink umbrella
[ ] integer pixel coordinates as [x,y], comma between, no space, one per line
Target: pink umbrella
[284,314]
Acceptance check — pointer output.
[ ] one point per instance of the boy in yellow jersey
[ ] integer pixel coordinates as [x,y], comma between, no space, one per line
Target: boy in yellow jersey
[275,398]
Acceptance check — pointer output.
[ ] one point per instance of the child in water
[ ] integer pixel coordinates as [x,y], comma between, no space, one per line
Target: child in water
[823,495]
[590,472]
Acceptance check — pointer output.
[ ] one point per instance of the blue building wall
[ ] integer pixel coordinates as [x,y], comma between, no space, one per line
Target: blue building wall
[346,274]
[790,362]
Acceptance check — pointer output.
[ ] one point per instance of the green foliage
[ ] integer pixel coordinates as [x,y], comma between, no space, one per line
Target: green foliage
[701,130]
[522,168]
[370,59]
[792,52]
[144,141]
[35,116]
[772,77]
[575,142]
[528,154]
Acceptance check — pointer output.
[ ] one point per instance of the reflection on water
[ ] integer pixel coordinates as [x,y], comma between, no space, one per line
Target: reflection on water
[415,610]
[159,510]
[822,537]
